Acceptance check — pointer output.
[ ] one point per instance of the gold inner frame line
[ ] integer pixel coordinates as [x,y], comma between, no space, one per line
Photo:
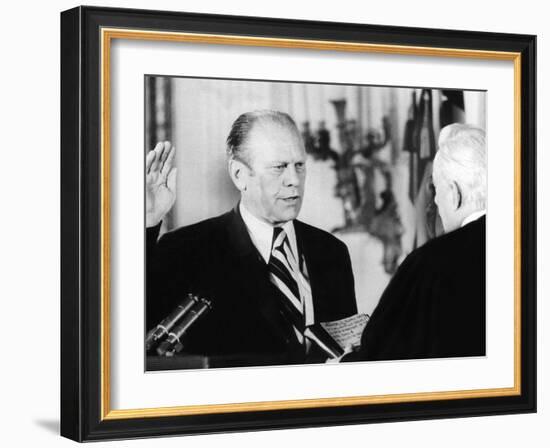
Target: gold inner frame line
[107,35]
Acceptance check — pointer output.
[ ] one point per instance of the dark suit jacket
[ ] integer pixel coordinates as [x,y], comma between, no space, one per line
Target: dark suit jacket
[217,260]
[434,306]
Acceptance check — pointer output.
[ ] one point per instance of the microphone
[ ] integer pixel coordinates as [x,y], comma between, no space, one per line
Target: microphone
[172,344]
[162,329]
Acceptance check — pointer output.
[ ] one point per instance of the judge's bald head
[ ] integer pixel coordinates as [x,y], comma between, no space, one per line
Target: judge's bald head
[460,173]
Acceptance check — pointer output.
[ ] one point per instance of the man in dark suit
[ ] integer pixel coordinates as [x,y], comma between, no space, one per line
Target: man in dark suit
[269,276]
[434,306]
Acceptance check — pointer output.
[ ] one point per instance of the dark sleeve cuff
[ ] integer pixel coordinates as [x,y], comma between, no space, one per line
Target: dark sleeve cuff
[152,234]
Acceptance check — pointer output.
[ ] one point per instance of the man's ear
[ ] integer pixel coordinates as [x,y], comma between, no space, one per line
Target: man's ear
[238,172]
[456,195]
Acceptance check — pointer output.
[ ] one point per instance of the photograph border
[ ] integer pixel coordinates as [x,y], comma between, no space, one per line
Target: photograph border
[86,37]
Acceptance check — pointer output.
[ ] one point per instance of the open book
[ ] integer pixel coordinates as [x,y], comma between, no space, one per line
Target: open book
[335,336]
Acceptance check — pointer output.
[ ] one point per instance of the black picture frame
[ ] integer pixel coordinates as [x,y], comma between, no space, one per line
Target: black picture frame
[83,409]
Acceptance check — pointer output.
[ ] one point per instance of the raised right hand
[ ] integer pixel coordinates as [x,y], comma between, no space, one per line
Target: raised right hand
[160,183]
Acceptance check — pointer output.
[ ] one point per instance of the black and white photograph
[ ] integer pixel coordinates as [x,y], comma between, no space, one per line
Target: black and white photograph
[299,223]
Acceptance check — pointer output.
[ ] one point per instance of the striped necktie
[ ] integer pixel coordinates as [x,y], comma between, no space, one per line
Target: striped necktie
[284,274]
[288,276]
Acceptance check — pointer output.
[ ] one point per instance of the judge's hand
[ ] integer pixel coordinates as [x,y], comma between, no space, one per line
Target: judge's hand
[160,183]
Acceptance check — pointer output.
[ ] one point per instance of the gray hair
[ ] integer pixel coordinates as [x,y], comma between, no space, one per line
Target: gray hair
[462,158]
[241,127]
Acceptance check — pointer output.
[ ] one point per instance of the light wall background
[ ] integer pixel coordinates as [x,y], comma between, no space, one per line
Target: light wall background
[29,228]
[204,109]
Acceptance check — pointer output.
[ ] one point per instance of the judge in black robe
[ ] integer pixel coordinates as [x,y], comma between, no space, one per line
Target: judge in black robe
[434,306]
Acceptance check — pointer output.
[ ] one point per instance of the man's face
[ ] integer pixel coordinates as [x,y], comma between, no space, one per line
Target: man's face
[276,173]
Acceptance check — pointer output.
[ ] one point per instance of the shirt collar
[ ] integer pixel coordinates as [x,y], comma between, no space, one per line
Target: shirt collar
[261,233]
[472,217]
